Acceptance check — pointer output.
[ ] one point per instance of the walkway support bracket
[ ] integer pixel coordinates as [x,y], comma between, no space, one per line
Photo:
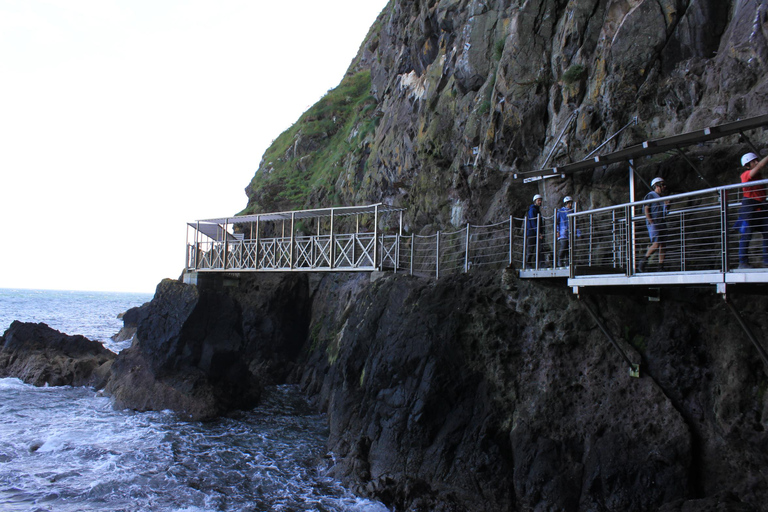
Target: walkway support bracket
[634,368]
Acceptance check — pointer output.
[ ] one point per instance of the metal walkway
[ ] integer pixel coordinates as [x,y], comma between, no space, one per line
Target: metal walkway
[359,238]
[704,232]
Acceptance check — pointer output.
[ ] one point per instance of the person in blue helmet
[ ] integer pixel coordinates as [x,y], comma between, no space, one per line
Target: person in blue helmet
[753,214]
[534,231]
[563,240]
[656,222]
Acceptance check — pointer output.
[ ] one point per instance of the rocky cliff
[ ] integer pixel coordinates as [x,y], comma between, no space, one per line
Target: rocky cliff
[480,391]
[484,393]
[447,98]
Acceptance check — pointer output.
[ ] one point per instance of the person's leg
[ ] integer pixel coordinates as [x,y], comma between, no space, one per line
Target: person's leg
[746,215]
[562,252]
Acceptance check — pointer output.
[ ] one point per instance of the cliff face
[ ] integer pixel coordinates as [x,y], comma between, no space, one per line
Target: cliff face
[448,97]
[480,391]
[483,392]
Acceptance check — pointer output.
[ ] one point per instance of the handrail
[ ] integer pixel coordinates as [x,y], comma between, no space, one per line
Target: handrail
[670,197]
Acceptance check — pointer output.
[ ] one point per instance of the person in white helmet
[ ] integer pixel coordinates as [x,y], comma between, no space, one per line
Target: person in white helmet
[753,214]
[534,231]
[563,240]
[656,222]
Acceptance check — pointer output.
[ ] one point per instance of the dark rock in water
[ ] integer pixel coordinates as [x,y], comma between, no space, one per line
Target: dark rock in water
[130,320]
[203,352]
[39,355]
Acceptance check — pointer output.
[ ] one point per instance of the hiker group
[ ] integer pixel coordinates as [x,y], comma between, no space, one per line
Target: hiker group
[752,218]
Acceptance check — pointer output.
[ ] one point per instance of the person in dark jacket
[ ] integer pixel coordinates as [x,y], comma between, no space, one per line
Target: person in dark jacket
[534,231]
[563,240]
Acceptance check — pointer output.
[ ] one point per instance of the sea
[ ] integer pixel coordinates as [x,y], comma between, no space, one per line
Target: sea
[66,449]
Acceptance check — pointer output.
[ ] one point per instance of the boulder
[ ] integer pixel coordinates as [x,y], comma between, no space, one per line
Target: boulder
[40,355]
[185,356]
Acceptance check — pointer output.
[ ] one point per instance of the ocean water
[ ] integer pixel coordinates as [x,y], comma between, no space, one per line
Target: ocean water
[66,449]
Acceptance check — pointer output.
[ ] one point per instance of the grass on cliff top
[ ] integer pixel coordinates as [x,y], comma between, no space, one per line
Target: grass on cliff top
[327,134]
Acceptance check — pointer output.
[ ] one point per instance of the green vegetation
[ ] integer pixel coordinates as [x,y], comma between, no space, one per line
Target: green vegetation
[498,49]
[307,158]
[574,74]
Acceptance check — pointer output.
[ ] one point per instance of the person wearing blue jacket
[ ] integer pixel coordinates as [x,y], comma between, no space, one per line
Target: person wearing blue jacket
[534,231]
[563,240]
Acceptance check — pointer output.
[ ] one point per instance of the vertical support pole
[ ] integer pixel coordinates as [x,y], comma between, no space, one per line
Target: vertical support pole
[376,237]
[293,230]
[413,242]
[256,251]
[591,233]
[631,220]
[399,236]
[332,248]
[437,257]
[466,252]
[226,248]
[630,248]
[197,244]
[538,237]
[571,244]
[525,241]
[724,251]
[554,238]
[510,240]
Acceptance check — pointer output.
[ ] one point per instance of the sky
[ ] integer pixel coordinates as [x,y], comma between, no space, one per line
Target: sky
[122,120]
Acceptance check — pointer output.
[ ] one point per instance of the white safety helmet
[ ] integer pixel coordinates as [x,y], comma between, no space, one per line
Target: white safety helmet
[537,196]
[748,158]
[656,181]
[567,199]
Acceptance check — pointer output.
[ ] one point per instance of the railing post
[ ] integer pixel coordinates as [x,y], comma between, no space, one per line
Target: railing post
[413,242]
[226,248]
[510,239]
[630,240]
[538,237]
[256,250]
[466,252]
[554,239]
[290,249]
[376,236]
[197,244]
[437,257]
[397,252]
[525,242]
[332,247]
[589,255]
[725,253]
[571,245]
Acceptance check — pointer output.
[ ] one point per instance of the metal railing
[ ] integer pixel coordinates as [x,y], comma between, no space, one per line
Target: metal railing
[434,255]
[704,231]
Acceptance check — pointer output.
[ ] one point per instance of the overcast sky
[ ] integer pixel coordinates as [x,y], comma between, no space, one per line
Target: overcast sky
[121,120]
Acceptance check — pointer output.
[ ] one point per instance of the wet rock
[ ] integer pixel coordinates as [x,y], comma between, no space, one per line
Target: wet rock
[205,351]
[184,356]
[40,355]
